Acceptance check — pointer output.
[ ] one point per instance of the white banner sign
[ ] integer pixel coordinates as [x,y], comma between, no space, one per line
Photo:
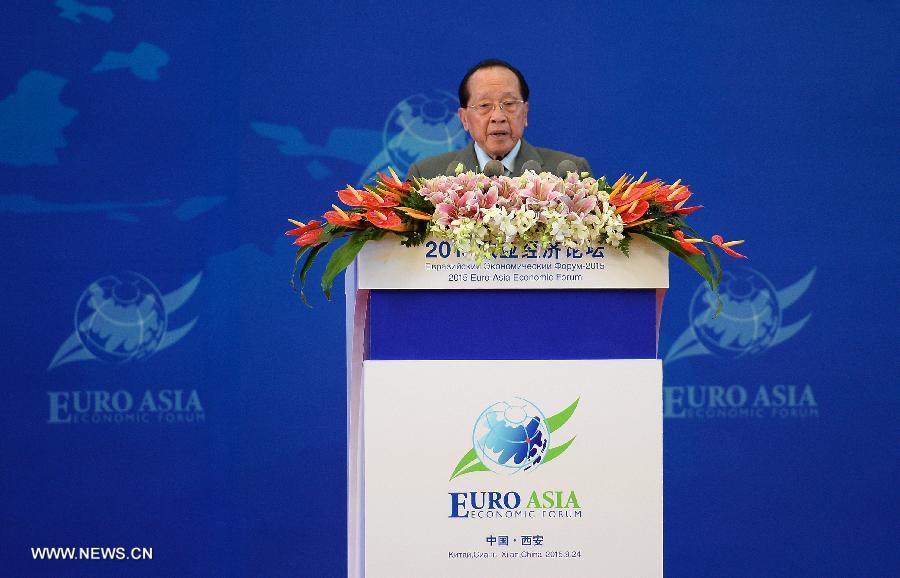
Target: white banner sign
[513,468]
[386,264]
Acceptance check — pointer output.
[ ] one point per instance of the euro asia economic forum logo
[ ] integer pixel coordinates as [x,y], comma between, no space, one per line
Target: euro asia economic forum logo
[121,319]
[754,319]
[510,437]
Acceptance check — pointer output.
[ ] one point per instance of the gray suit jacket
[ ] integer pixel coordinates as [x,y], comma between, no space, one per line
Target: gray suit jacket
[548,159]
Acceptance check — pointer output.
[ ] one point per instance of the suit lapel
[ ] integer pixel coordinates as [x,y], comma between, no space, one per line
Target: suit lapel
[467,157]
[526,153]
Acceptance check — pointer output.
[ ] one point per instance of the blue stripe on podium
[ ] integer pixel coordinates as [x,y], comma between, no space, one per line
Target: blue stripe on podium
[512,324]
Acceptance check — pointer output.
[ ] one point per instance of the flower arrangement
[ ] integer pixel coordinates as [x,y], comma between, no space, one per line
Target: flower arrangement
[487,216]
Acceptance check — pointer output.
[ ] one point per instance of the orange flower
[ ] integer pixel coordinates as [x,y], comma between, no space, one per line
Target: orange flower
[682,210]
[306,234]
[633,211]
[687,244]
[394,182]
[720,242]
[343,219]
[672,194]
[635,191]
[365,198]
[386,220]
[301,228]
[309,237]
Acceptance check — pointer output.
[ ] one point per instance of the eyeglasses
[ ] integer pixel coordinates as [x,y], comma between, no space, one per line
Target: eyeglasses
[486,108]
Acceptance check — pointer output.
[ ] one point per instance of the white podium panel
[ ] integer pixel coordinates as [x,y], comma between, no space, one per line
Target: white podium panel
[491,468]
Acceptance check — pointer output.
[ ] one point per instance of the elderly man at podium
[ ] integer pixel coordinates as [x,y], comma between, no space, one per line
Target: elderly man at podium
[493,108]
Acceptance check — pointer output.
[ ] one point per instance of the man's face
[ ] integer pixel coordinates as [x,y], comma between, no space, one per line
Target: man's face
[499,131]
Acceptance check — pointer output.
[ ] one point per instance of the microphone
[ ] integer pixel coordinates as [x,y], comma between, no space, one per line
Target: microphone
[493,168]
[565,167]
[531,165]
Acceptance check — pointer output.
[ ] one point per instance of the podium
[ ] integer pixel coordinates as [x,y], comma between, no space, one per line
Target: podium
[504,417]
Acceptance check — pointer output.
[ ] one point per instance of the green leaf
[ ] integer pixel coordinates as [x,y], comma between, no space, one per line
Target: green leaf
[467,459]
[661,226]
[717,267]
[557,421]
[698,262]
[294,287]
[345,254]
[329,233]
[300,252]
[416,201]
[557,451]
[713,256]
[417,235]
[305,270]
[419,232]
[476,467]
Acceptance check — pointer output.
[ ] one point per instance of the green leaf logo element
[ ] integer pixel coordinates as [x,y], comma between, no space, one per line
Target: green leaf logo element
[557,451]
[470,463]
[471,458]
[555,422]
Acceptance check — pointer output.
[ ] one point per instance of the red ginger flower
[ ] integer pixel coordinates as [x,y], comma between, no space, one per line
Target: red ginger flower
[301,228]
[394,182]
[343,219]
[386,220]
[672,194]
[682,210]
[720,242]
[306,234]
[674,197]
[364,198]
[634,192]
[634,211]
[687,244]
[309,238]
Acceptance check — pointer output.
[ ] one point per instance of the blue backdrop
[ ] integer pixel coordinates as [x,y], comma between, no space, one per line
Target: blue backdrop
[150,153]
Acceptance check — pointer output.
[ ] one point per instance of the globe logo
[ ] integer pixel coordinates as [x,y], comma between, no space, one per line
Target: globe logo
[750,317]
[121,318]
[511,436]
[755,317]
[420,126]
